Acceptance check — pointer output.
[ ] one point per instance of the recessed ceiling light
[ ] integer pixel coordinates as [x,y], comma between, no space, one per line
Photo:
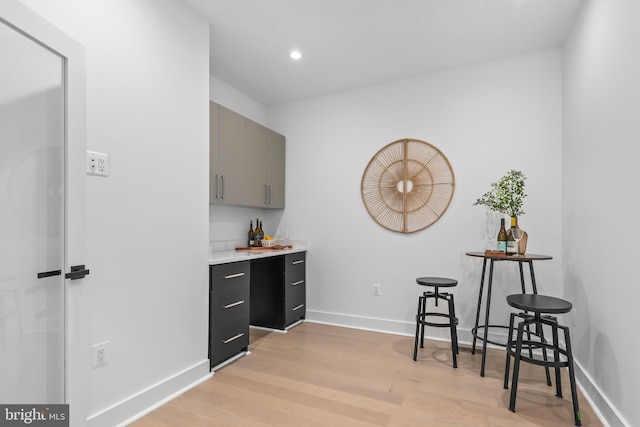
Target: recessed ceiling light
[295,54]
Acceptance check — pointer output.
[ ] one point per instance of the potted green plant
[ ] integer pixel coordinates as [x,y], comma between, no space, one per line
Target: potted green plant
[507,197]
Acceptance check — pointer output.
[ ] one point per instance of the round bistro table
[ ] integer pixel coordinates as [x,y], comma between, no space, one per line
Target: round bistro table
[492,258]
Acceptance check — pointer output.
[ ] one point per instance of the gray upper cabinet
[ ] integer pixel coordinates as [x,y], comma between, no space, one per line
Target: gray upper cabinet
[257,164]
[275,169]
[247,162]
[227,175]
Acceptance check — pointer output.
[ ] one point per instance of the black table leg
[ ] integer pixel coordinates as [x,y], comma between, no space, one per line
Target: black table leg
[486,320]
[475,330]
[533,279]
[524,290]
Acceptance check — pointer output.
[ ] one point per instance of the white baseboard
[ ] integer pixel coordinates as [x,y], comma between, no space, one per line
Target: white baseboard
[153,397]
[387,326]
[602,406]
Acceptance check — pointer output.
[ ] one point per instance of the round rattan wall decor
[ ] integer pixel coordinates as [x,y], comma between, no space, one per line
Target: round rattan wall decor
[407,185]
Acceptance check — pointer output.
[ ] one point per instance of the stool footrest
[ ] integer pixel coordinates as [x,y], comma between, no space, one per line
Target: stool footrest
[526,345]
[422,320]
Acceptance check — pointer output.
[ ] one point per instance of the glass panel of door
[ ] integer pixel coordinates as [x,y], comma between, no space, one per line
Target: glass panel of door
[32,221]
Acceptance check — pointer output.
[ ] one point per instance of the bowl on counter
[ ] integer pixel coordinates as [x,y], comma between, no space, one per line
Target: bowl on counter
[268,243]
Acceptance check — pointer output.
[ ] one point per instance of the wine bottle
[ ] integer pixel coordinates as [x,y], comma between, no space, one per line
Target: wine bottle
[261,233]
[502,237]
[251,235]
[511,243]
[258,235]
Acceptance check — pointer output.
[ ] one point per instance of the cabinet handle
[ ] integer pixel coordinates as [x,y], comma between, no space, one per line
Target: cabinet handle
[300,261]
[298,307]
[266,194]
[269,193]
[299,282]
[234,304]
[222,186]
[217,186]
[233,276]
[233,338]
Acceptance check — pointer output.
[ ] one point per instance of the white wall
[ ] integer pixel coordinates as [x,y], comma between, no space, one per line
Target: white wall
[148,85]
[600,172]
[486,119]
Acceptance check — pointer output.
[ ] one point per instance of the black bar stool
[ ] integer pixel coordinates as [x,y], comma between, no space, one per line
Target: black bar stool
[542,307]
[422,315]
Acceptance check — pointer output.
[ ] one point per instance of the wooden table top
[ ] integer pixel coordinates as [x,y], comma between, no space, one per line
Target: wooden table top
[503,257]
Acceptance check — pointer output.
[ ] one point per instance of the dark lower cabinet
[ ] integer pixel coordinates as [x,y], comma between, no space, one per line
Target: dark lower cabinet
[278,291]
[267,292]
[295,295]
[228,310]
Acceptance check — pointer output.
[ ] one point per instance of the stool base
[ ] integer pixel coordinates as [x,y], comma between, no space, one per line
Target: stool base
[423,319]
[514,349]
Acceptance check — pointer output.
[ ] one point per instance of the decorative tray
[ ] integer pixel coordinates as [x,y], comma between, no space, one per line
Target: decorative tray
[494,253]
[264,248]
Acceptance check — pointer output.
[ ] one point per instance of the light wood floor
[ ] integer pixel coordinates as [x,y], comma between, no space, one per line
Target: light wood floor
[319,375]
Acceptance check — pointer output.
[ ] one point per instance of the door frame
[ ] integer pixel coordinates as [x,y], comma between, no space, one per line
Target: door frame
[77,316]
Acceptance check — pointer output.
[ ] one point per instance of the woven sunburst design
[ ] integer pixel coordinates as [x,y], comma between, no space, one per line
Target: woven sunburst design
[407,185]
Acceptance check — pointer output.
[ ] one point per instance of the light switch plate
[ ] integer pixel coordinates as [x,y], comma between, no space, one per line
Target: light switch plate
[97,163]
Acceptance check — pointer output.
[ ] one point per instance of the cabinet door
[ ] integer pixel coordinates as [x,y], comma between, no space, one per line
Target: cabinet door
[214,148]
[231,158]
[275,169]
[256,164]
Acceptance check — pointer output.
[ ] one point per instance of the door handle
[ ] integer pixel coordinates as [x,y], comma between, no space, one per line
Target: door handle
[77,272]
[49,273]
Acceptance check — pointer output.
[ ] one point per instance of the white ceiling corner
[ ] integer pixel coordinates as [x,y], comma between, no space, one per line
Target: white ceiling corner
[353,43]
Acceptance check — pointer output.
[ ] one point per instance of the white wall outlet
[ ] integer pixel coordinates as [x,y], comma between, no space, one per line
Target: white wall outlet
[99,354]
[377,287]
[97,163]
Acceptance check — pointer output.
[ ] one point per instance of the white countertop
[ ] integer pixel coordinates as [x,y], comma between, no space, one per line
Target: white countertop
[224,257]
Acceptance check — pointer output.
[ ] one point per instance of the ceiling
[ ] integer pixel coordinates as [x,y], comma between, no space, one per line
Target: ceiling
[352,43]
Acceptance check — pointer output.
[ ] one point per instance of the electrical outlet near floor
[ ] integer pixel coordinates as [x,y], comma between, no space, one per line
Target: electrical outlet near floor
[99,354]
[377,287]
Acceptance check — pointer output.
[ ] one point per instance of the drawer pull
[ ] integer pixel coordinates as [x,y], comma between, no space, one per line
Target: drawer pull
[298,307]
[233,276]
[299,282]
[233,304]
[233,338]
[300,261]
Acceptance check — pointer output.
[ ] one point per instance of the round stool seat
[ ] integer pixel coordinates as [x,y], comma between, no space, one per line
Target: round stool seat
[539,303]
[441,282]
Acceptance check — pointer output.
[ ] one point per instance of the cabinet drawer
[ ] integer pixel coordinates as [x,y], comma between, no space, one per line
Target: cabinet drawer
[295,297]
[229,304]
[228,340]
[225,276]
[294,283]
[294,311]
[294,261]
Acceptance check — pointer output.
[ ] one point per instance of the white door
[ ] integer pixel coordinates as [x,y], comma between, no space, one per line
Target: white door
[41,208]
